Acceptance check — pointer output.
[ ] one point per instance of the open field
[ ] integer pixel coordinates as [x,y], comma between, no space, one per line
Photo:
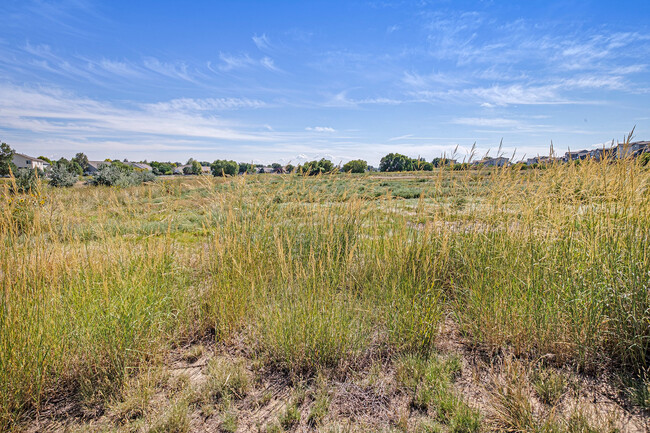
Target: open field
[462,301]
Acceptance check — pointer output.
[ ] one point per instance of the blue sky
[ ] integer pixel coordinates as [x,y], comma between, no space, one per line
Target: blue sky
[287,80]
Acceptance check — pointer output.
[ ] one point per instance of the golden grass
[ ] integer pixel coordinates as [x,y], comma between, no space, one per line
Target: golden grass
[325,272]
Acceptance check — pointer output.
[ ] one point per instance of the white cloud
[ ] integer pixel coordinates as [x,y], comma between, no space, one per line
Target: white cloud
[320,129]
[189,104]
[177,70]
[230,62]
[51,111]
[262,42]
[481,121]
[268,63]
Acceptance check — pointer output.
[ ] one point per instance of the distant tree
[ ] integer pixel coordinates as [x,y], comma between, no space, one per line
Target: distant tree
[126,168]
[425,166]
[161,168]
[221,167]
[6,159]
[81,159]
[396,162]
[62,177]
[245,167]
[76,168]
[355,166]
[439,162]
[276,165]
[196,167]
[313,168]
[46,159]
[289,168]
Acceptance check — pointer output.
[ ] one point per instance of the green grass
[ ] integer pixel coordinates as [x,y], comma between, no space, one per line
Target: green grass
[327,272]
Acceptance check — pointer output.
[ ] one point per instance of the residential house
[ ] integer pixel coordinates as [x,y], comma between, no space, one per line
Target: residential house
[179,169]
[25,161]
[140,166]
[493,162]
[572,156]
[624,150]
[94,166]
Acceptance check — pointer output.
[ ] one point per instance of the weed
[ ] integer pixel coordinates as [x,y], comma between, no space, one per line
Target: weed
[290,417]
[549,385]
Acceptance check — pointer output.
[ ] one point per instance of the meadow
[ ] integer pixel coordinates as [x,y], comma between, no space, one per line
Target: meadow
[464,301]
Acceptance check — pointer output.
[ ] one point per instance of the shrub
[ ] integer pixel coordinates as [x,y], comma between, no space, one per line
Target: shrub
[62,177]
[120,175]
[26,181]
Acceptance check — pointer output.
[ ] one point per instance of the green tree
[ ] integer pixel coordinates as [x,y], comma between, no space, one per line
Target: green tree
[289,168]
[276,165]
[396,162]
[221,167]
[245,167]
[439,162]
[313,168]
[196,167]
[6,159]
[81,159]
[355,166]
[46,159]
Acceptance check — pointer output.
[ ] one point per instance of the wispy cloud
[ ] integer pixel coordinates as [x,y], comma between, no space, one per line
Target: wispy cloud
[320,129]
[262,42]
[269,64]
[178,70]
[52,111]
[209,104]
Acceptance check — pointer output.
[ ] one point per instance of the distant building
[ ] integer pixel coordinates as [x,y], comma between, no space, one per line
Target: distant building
[93,166]
[493,162]
[580,154]
[624,150]
[179,169]
[25,161]
[140,165]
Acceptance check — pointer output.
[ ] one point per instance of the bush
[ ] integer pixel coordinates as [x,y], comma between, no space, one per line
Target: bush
[119,175]
[26,181]
[62,177]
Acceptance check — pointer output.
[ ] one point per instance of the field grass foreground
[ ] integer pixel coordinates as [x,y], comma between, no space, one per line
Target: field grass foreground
[451,301]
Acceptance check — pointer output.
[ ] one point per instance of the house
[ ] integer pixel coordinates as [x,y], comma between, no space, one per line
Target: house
[493,162]
[25,161]
[580,154]
[179,169]
[205,169]
[94,166]
[140,166]
[624,150]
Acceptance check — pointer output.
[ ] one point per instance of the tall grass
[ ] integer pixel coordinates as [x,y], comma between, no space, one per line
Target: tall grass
[320,273]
